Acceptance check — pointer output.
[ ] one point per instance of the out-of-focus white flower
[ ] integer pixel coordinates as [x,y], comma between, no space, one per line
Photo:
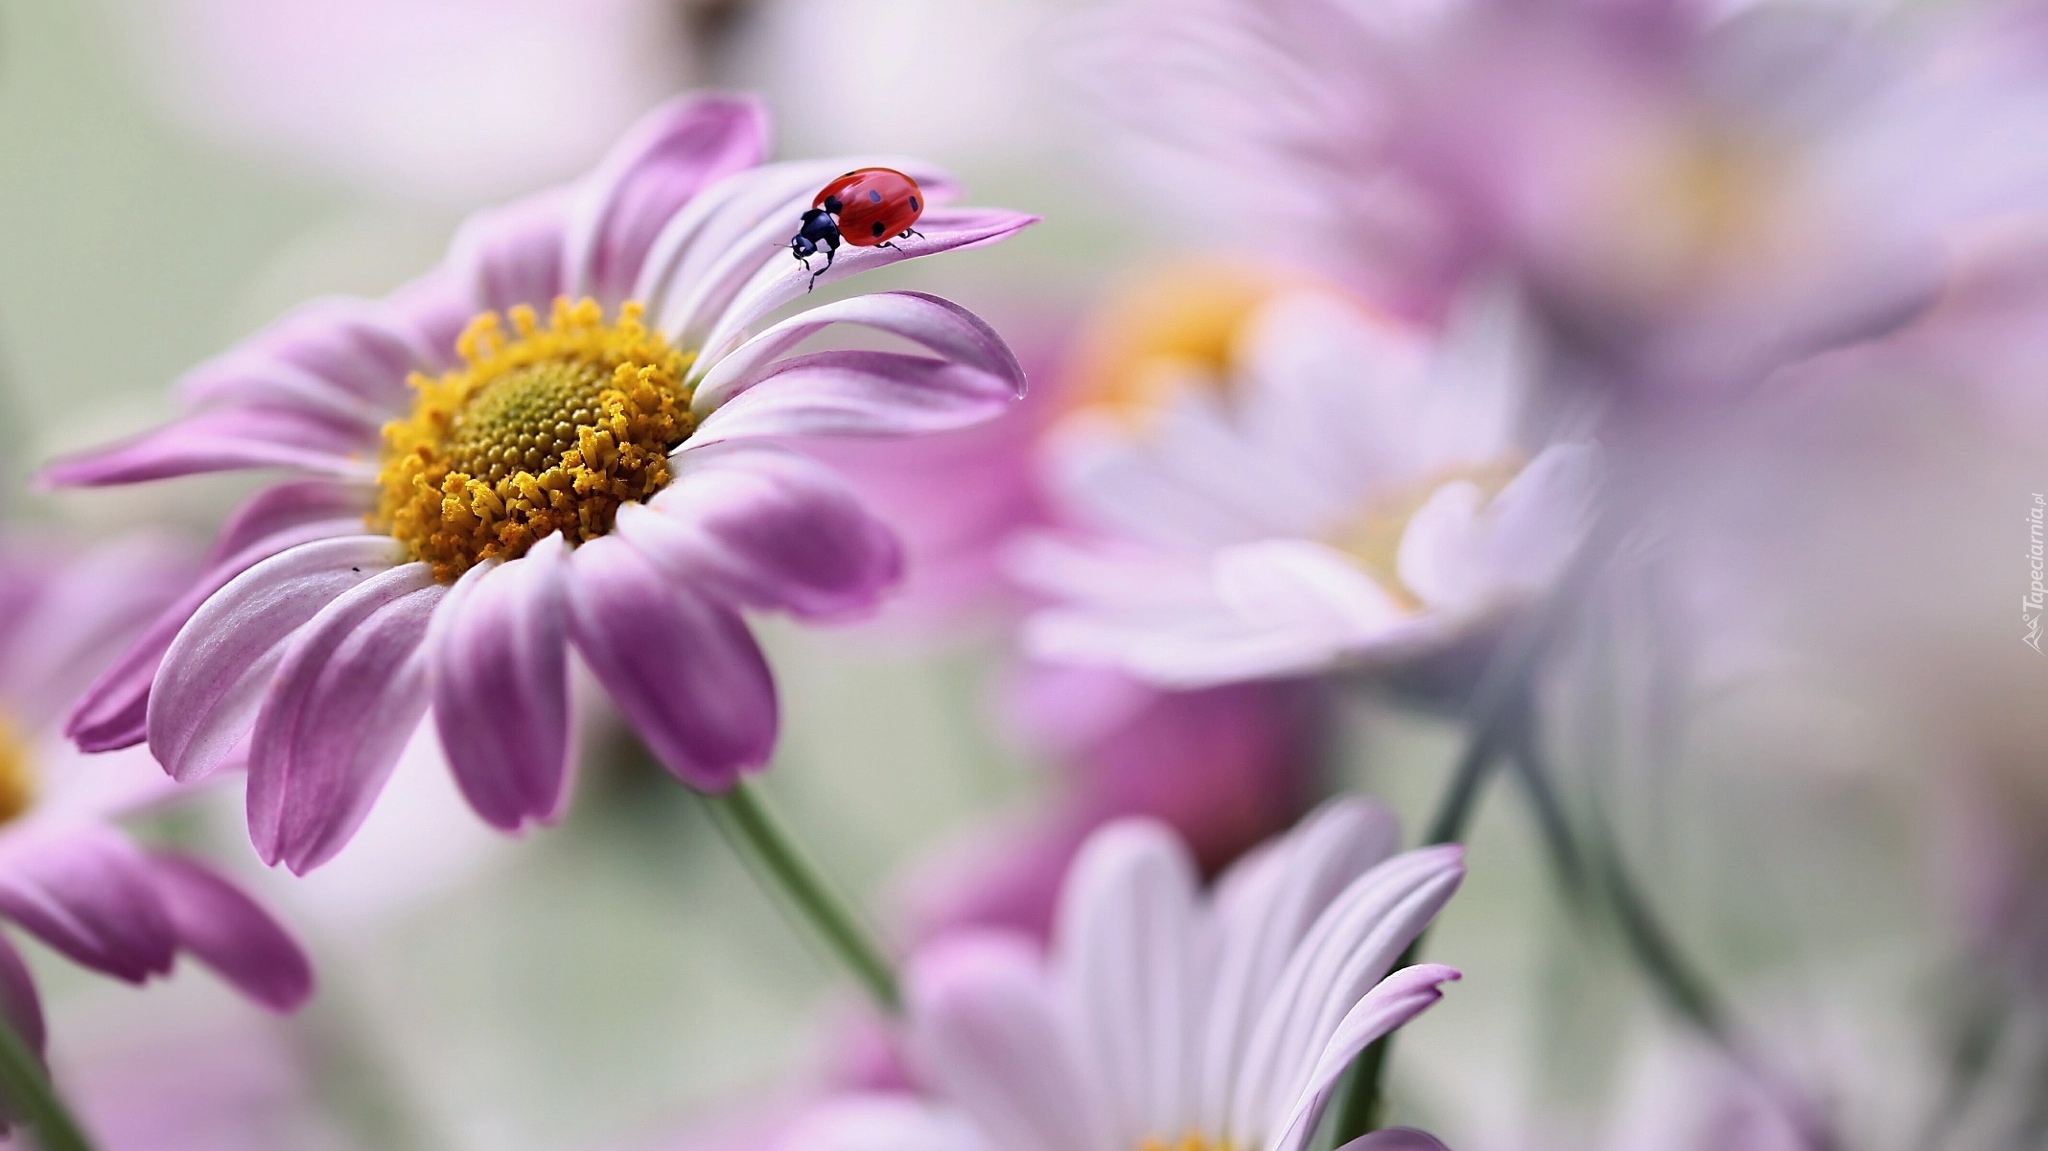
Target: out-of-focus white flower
[1692,193]
[1334,486]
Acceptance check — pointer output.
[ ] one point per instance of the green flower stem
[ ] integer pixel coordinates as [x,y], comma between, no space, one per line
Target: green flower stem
[1500,702]
[31,1095]
[1567,861]
[1497,704]
[765,844]
[1979,1033]
[1596,880]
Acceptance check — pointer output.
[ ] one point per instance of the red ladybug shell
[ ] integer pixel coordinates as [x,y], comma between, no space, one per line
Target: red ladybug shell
[874,204]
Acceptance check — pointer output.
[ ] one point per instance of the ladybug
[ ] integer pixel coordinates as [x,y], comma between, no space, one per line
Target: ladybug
[867,207]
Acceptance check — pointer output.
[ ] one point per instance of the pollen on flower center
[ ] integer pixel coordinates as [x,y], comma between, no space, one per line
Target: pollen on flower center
[17,773]
[549,428]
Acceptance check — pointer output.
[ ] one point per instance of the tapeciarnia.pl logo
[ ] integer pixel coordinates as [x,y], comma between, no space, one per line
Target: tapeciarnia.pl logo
[2031,604]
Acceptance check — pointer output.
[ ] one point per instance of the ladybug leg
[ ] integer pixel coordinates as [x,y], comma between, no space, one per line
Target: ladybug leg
[913,232]
[831,251]
[888,244]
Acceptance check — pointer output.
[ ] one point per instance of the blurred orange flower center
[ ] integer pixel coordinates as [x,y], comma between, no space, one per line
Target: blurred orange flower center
[547,428]
[17,772]
[1189,1142]
[1177,326]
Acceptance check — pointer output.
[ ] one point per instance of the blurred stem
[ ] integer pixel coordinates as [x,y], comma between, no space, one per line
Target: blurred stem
[1501,701]
[30,1093]
[760,838]
[1566,860]
[1652,947]
[1971,1050]
[355,1076]
[1501,695]
[1599,872]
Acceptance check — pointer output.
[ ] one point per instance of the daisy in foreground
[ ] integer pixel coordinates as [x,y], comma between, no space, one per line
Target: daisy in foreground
[1307,485]
[558,438]
[68,875]
[1167,1019]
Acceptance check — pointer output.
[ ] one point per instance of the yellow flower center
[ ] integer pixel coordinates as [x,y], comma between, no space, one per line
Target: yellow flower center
[1373,536]
[1188,1142]
[1166,329]
[546,429]
[17,772]
[1699,204]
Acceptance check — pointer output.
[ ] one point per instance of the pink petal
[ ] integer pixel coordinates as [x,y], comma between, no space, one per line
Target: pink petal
[513,254]
[111,713]
[87,892]
[437,305]
[726,237]
[1397,999]
[1130,957]
[231,933]
[348,693]
[361,350]
[282,508]
[986,1030]
[858,394]
[1264,909]
[213,677]
[683,669]
[498,658]
[942,326]
[668,157]
[1344,956]
[779,282]
[878,1122]
[309,392]
[226,439]
[767,529]
[90,604]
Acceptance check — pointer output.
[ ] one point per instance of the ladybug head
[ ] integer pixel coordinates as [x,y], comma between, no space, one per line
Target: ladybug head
[800,246]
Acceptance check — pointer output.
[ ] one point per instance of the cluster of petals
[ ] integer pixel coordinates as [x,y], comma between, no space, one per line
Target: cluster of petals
[69,875]
[313,645]
[1697,192]
[1166,1015]
[1348,490]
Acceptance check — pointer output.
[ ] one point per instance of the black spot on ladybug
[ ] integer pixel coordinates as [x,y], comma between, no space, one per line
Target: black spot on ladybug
[874,196]
[878,227]
[914,205]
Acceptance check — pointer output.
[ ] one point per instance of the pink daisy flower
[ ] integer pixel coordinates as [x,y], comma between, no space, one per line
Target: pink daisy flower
[1325,488]
[1167,1017]
[68,875]
[558,439]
